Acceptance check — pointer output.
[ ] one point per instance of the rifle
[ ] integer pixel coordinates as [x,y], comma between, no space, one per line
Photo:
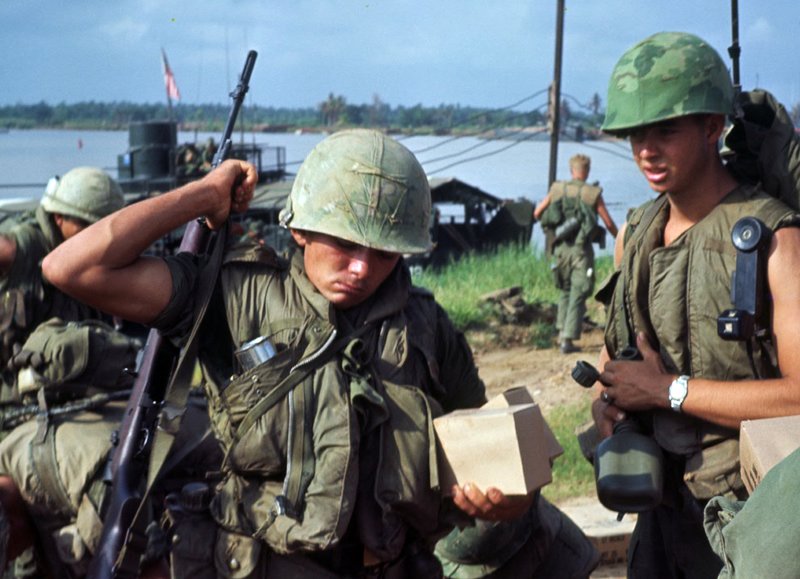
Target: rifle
[14,416]
[133,443]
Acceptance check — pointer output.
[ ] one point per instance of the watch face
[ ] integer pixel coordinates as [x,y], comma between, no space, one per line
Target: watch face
[677,392]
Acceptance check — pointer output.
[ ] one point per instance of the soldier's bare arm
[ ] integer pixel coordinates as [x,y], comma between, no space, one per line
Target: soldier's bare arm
[602,211]
[8,251]
[619,245]
[643,385]
[537,212]
[103,265]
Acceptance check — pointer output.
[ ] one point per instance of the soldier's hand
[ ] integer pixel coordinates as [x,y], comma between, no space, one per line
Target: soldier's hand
[231,184]
[605,414]
[638,384]
[493,505]
[25,359]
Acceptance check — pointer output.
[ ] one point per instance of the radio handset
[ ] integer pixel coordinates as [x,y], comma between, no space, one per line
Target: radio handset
[751,239]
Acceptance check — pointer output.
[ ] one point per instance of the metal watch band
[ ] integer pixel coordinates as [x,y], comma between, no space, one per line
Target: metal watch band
[678,391]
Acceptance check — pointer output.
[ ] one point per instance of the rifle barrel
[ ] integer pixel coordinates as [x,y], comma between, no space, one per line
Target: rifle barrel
[130,455]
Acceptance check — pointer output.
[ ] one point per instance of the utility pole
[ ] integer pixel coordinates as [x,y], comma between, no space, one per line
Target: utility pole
[554,108]
[735,50]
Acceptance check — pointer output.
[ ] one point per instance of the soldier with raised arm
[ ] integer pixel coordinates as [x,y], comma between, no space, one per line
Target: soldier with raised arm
[330,466]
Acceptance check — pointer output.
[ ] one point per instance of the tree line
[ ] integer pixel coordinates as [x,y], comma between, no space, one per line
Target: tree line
[332,113]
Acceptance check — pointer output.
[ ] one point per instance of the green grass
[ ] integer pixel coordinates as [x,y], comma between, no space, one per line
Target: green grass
[573,476]
[459,285]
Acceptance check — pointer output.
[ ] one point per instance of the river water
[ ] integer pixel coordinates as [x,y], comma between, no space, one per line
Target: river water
[505,169]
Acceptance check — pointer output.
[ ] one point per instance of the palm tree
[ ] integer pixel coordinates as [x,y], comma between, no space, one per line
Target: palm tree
[332,109]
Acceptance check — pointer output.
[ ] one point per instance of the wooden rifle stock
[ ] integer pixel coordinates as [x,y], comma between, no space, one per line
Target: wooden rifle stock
[133,442]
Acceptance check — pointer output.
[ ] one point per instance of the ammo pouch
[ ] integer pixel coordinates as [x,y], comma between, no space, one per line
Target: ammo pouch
[292,431]
[199,550]
[711,454]
[74,359]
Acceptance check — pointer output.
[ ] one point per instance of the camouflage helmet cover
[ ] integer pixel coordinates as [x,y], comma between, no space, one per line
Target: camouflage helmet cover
[667,75]
[364,187]
[85,193]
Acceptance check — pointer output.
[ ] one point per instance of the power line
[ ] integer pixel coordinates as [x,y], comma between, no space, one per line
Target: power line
[484,142]
[607,150]
[480,114]
[495,152]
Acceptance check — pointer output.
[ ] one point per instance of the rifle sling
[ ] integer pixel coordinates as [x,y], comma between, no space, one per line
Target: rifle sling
[292,380]
[175,399]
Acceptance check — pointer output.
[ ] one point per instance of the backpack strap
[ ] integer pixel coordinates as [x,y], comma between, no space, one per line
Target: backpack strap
[177,393]
[300,452]
[637,226]
[173,409]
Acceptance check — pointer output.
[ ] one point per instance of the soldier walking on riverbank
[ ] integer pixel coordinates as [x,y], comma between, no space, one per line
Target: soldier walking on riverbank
[568,214]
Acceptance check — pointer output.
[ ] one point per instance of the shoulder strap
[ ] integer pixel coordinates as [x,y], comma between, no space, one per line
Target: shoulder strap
[633,233]
[177,393]
[175,399]
[293,379]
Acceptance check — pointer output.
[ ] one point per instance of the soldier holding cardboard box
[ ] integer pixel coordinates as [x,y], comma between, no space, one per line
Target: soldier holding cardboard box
[337,477]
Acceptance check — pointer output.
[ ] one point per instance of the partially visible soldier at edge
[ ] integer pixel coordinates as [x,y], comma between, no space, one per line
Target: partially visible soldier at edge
[573,272]
[669,95]
[378,360]
[81,197]
[69,204]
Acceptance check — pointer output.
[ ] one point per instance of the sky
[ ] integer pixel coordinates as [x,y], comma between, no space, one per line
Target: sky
[481,53]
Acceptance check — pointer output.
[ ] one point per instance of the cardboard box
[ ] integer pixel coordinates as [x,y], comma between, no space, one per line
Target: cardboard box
[503,448]
[524,395]
[609,536]
[764,443]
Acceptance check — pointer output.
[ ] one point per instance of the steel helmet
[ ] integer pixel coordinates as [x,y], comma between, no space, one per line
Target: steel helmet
[85,193]
[362,186]
[479,550]
[668,75]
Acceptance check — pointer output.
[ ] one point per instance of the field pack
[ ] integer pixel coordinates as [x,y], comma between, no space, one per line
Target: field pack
[762,146]
[73,359]
[569,220]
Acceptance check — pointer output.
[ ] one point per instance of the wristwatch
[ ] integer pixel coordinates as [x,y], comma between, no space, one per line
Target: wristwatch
[678,391]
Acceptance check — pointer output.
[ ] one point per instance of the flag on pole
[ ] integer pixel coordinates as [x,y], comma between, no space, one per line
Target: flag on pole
[169,79]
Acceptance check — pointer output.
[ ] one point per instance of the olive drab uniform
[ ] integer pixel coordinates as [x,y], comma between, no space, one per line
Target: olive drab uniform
[330,452]
[571,219]
[73,381]
[674,295]
[27,299]
[759,537]
[762,146]
[71,385]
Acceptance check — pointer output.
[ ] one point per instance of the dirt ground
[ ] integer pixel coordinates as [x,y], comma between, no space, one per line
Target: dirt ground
[505,361]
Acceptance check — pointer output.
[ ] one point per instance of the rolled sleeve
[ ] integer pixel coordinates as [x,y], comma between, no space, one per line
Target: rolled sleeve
[176,320]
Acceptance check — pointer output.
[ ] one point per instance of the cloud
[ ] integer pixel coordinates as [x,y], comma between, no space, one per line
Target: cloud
[127,30]
[760,31]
